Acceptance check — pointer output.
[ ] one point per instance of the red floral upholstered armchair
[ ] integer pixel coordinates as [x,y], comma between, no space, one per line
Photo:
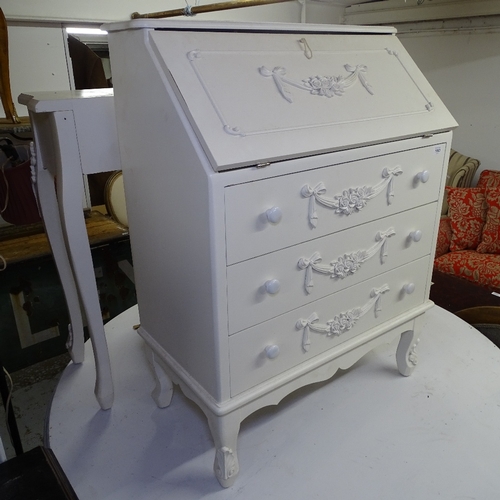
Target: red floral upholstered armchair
[468,243]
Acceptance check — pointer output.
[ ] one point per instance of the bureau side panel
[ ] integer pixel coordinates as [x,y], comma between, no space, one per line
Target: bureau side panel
[169,207]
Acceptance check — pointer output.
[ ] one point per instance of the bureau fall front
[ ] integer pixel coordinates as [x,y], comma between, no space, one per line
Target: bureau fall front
[283,187]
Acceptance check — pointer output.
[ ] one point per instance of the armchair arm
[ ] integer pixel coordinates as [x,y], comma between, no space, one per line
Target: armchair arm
[444,236]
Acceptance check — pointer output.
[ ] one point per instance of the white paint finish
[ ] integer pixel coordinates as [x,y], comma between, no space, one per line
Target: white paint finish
[368,433]
[181,271]
[464,68]
[249,235]
[242,114]
[249,304]
[75,134]
[242,26]
[249,365]
[49,209]
[93,112]
[164,166]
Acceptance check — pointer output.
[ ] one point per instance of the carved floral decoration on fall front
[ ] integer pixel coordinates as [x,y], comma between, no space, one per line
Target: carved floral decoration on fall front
[324,86]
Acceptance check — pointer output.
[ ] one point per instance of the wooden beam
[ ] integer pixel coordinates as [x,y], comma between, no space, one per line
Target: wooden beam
[199,9]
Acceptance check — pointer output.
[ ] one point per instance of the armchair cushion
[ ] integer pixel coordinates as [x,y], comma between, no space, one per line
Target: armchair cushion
[480,210]
[467,212]
[489,179]
[476,267]
[461,170]
[444,236]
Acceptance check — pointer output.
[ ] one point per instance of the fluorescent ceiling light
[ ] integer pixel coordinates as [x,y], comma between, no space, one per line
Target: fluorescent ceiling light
[86,31]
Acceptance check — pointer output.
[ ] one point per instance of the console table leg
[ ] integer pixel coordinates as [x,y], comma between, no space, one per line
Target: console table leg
[47,202]
[225,431]
[69,181]
[406,355]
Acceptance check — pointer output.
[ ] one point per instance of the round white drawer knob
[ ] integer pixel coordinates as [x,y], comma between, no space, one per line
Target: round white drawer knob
[409,288]
[416,235]
[272,351]
[274,214]
[423,176]
[272,286]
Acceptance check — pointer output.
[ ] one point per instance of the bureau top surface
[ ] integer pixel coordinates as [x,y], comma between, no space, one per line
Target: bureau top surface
[257,93]
[196,25]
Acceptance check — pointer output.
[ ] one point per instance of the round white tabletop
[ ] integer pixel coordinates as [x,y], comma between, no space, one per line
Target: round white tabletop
[368,433]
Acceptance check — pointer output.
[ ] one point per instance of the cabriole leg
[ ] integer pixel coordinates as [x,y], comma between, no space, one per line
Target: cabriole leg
[406,355]
[225,431]
[163,390]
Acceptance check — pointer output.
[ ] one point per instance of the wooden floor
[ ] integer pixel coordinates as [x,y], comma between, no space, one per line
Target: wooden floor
[19,244]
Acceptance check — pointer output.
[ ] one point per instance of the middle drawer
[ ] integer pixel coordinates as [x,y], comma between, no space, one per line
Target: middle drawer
[267,286]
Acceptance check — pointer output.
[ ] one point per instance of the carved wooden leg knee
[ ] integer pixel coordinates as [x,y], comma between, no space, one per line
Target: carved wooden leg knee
[406,355]
[225,435]
[163,390]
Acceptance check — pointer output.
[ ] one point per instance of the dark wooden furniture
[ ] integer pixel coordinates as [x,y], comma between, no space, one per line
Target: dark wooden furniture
[34,475]
[477,305]
[455,294]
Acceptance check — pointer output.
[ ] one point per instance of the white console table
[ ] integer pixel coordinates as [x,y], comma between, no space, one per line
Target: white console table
[75,134]
[369,434]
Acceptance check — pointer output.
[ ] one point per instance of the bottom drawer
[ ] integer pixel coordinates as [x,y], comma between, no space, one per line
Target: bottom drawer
[272,347]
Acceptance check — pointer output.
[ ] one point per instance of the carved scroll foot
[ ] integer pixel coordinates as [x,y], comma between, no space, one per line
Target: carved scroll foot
[163,390]
[406,355]
[103,390]
[225,435]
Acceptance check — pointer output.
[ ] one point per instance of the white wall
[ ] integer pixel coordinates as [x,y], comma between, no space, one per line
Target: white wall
[464,69]
[37,58]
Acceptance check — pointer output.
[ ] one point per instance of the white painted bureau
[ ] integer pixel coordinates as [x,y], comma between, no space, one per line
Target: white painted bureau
[283,186]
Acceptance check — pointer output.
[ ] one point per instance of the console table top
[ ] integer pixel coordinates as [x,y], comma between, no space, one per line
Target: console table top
[371,434]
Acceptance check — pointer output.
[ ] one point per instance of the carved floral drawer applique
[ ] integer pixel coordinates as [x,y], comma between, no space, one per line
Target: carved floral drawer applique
[342,322]
[345,265]
[351,200]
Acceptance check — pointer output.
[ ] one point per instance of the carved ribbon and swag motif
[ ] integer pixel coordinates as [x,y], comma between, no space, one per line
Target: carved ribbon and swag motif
[345,265]
[325,86]
[351,200]
[340,323]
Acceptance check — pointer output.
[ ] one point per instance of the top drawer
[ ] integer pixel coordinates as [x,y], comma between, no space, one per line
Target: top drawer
[266,215]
